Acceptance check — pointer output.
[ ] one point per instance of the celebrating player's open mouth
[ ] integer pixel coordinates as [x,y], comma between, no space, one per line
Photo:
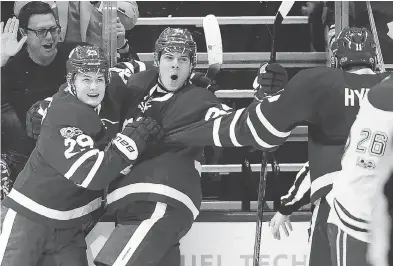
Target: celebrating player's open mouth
[174,68]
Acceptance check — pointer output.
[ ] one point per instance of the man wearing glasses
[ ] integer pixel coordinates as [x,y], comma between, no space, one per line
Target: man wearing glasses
[32,70]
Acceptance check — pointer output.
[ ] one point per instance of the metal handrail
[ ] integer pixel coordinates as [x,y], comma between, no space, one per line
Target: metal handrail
[237,168]
[237,205]
[235,93]
[241,20]
[254,59]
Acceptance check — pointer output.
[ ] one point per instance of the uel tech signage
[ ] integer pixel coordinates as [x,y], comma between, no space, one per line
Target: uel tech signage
[226,244]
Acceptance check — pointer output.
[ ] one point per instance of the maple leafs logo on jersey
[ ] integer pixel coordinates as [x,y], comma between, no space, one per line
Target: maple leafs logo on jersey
[70,132]
[145,104]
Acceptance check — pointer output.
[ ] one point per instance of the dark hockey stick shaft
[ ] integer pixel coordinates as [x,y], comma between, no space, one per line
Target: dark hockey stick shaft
[281,14]
[261,202]
[93,223]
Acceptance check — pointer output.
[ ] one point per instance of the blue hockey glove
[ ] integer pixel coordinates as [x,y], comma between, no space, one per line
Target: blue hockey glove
[271,79]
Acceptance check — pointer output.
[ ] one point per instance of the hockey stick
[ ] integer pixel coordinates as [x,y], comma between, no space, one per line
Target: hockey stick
[109,42]
[87,229]
[375,35]
[283,11]
[212,32]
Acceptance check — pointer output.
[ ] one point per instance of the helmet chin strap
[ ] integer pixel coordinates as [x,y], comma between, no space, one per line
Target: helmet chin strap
[98,108]
[161,85]
[71,89]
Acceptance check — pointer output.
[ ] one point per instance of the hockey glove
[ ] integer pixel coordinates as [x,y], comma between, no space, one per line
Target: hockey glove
[34,117]
[6,181]
[132,141]
[271,79]
[200,80]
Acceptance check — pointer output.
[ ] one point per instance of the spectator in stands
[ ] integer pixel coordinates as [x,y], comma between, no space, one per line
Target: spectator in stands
[32,70]
[320,18]
[81,21]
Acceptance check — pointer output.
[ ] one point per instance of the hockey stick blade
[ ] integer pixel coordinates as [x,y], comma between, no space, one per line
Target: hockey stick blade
[212,32]
[283,11]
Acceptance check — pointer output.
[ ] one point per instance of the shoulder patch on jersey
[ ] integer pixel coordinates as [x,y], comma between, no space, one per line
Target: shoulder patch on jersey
[70,132]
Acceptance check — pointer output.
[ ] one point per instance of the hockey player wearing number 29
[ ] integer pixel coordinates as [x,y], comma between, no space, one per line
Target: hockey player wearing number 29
[61,186]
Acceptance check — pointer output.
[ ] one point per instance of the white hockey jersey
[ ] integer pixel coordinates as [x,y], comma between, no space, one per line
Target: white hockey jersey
[353,196]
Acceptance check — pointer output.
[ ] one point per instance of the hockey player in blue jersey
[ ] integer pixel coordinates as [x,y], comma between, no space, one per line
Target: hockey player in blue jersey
[349,57]
[327,98]
[365,165]
[184,174]
[157,202]
[152,199]
[164,199]
[61,186]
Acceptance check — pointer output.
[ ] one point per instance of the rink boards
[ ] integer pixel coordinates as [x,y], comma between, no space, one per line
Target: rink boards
[226,244]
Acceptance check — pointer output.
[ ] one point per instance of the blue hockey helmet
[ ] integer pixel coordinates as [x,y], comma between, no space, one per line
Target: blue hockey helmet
[354,47]
[84,59]
[175,40]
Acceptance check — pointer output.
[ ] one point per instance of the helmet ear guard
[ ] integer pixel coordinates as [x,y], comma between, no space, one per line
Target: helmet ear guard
[374,63]
[334,62]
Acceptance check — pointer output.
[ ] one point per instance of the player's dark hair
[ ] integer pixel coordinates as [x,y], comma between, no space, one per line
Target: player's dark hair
[33,8]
